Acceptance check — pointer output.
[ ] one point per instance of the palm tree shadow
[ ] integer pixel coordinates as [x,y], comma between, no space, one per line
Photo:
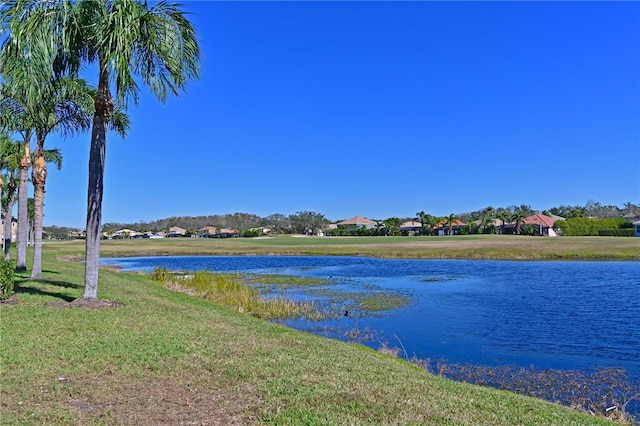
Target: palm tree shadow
[27,289]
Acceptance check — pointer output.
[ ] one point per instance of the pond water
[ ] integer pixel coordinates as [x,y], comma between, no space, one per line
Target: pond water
[560,315]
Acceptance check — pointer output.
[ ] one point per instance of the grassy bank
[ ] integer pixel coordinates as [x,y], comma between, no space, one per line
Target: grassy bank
[458,247]
[163,357]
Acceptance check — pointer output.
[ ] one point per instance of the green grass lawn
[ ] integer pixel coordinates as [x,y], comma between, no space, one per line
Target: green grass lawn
[164,357]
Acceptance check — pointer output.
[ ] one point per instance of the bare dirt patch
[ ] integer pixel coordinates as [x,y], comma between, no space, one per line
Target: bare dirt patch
[96,304]
[12,301]
[165,400]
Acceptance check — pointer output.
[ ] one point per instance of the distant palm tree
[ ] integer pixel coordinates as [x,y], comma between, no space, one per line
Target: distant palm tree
[486,222]
[434,222]
[423,219]
[450,220]
[379,225]
[392,225]
[518,218]
[125,38]
[504,217]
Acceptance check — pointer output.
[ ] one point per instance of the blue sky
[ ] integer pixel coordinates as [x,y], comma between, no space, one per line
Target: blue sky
[380,109]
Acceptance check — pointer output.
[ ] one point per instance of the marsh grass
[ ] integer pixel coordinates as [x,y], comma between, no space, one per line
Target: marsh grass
[284,281]
[382,301]
[229,290]
[606,393]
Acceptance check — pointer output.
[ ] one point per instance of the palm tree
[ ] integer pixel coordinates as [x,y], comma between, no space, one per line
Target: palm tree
[450,220]
[127,38]
[39,177]
[423,219]
[13,117]
[486,222]
[434,221]
[67,108]
[10,156]
[60,104]
[392,225]
[518,217]
[504,217]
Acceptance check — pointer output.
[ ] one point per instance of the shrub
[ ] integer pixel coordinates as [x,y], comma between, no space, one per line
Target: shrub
[581,226]
[161,274]
[6,279]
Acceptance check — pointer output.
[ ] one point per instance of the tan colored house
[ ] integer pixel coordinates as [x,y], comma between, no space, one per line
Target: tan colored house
[176,231]
[14,229]
[357,222]
[125,233]
[207,230]
[411,227]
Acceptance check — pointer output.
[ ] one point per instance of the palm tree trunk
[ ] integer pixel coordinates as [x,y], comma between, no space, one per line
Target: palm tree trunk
[23,211]
[103,108]
[8,219]
[39,178]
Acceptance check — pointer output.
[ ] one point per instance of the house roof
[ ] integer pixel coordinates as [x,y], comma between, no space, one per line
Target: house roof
[539,219]
[556,217]
[125,230]
[177,230]
[494,222]
[411,224]
[357,220]
[456,222]
[209,228]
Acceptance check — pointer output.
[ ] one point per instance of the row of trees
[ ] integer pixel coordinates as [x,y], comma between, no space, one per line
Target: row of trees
[482,221]
[44,47]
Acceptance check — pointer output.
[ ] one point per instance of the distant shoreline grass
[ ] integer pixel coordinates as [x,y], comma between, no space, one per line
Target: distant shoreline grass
[481,247]
[164,357]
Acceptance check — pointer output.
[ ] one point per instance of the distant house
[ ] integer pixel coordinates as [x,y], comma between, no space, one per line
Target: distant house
[176,231]
[14,229]
[125,233]
[443,228]
[543,223]
[227,233]
[636,227]
[208,231]
[411,227]
[356,222]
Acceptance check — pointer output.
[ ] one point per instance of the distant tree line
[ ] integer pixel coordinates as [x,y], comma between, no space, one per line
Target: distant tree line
[308,222]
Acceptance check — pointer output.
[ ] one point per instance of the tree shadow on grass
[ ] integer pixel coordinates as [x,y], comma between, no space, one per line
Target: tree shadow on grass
[22,287]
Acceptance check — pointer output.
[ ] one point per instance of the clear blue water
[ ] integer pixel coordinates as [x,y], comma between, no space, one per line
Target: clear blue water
[561,315]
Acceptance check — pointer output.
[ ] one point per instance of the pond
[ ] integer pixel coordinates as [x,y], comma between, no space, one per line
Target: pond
[551,314]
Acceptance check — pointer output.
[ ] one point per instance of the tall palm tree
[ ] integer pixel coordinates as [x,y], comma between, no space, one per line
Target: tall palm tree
[60,104]
[39,177]
[13,118]
[68,109]
[125,38]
